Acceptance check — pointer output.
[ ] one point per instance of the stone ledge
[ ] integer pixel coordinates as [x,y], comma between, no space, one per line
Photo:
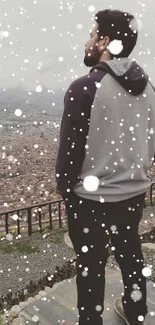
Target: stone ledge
[148,247]
[67,240]
[17,313]
[25,318]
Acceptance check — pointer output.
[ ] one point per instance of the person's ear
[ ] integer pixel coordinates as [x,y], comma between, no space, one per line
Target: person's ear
[102,45]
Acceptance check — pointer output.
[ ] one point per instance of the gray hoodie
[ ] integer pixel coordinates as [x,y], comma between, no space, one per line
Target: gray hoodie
[107,131]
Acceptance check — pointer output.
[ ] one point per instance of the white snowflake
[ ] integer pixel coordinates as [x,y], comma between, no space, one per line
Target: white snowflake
[91,183]
[115,47]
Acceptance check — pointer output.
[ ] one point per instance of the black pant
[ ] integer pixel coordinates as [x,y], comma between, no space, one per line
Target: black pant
[90,225]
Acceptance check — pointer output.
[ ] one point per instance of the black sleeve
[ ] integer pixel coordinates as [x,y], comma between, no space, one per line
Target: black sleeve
[73,131]
[154,153]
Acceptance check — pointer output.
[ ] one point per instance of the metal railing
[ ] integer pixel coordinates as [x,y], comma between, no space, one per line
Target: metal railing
[151,190]
[28,211]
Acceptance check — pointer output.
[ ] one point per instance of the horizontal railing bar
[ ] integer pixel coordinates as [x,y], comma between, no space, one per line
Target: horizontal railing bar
[31,206]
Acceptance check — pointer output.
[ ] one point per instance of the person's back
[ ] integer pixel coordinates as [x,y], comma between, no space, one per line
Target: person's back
[121,140]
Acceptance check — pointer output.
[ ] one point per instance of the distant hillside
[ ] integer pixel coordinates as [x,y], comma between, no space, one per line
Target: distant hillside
[11,99]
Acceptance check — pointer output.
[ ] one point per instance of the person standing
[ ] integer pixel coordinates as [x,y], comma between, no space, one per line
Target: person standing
[106,148]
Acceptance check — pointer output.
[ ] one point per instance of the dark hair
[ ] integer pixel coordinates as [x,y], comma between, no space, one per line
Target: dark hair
[110,22]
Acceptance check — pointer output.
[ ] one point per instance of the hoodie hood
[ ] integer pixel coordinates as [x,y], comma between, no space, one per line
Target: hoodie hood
[128,73]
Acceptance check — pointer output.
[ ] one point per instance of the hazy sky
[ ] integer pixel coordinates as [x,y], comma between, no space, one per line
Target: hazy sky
[36,33]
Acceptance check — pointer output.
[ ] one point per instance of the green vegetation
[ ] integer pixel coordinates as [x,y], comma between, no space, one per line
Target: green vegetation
[58,237]
[35,229]
[2,322]
[20,247]
[147,202]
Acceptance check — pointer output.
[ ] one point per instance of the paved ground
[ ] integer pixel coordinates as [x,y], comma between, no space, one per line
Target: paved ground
[60,303]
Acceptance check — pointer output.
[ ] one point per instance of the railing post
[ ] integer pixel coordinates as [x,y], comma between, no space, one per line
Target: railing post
[50,216]
[151,195]
[60,223]
[6,223]
[40,215]
[18,224]
[29,216]
[29,222]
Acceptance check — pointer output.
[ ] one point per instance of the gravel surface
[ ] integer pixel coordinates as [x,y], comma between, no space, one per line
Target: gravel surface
[17,269]
[148,219]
